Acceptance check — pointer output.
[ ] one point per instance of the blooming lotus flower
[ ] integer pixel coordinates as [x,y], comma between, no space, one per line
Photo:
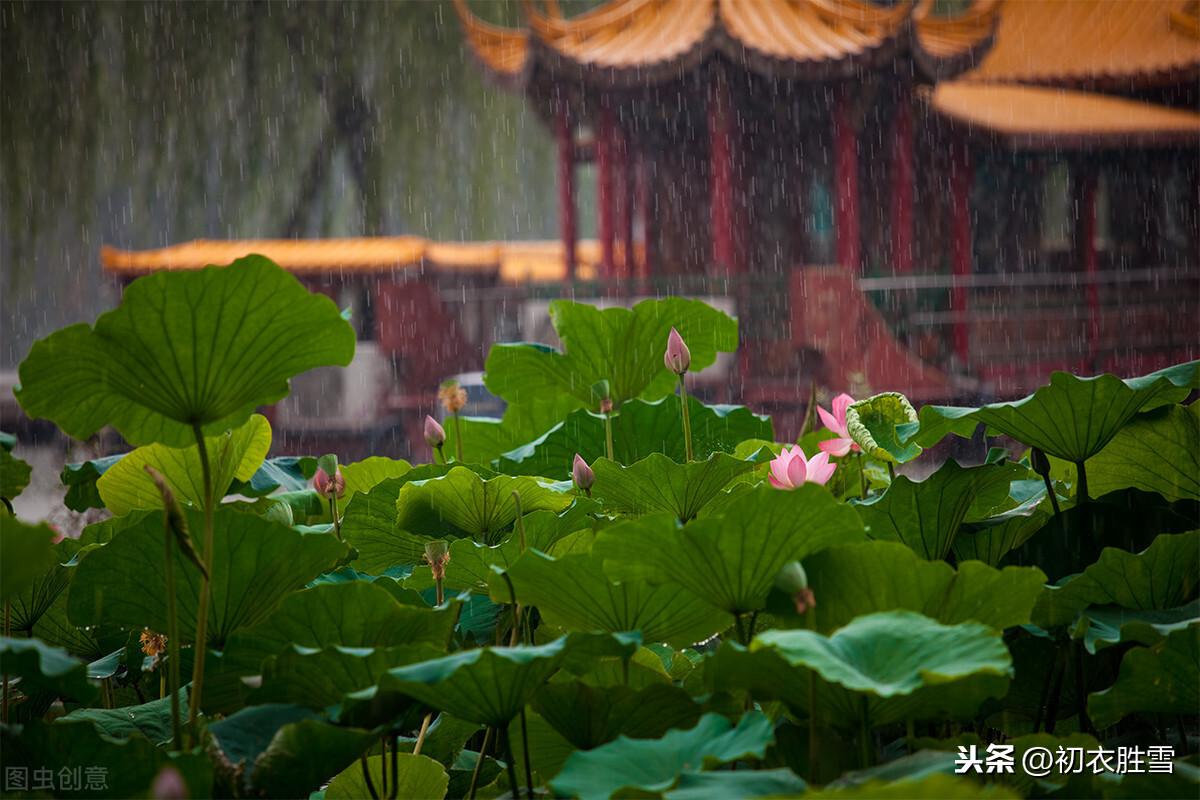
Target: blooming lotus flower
[435,434]
[836,422]
[326,486]
[677,356]
[582,474]
[791,469]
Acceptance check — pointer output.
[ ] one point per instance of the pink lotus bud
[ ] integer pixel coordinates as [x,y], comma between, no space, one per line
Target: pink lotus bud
[327,487]
[606,405]
[168,785]
[435,434]
[582,473]
[804,600]
[677,357]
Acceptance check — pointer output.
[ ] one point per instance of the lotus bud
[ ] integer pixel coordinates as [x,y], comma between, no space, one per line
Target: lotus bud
[435,434]
[437,556]
[1039,462]
[452,396]
[169,785]
[794,580]
[606,405]
[328,487]
[677,357]
[582,474]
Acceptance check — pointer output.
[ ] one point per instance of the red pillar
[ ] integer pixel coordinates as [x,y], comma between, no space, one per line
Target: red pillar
[845,173]
[645,202]
[720,152]
[1085,240]
[623,191]
[903,181]
[566,186]
[960,242]
[604,189]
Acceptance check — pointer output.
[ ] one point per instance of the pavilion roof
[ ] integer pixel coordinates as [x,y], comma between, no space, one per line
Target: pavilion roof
[627,42]
[512,262]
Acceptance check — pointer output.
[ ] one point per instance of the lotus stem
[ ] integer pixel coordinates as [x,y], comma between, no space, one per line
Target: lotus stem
[333,512]
[1085,722]
[1082,489]
[862,476]
[810,413]
[457,438]
[753,623]
[395,769]
[529,769]
[508,761]
[1053,495]
[383,761]
[439,591]
[516,496]
[741,629]
[366,771]
[891,471]
[421,734]
[865,734]
[201,642]
[7,633]
[608,437]
[487,739]
[687,418]
[439,455]
[173,646]
[813,749]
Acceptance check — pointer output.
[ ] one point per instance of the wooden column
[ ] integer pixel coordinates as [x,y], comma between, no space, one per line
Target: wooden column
[1088,262]
[721,170]
[845,173]
[623,195]
[604,189]
[903,180]
[960,243]
[566,186]
[645,207]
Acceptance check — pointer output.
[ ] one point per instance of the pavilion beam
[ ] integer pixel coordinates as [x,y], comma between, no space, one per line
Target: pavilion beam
[961,175]
[903,180]
[845,172]
[604,189]
[721,173]
[566,187]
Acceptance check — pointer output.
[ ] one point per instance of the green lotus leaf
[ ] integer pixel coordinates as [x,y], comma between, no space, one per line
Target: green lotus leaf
[126,768]
[1163,678]
[470,567]
[1072,418]
[926,515]
[736,785]
[416,776]
[485,439]
[1104,626]
[1154,452]
[319,679]
[1181,782]
[80,480]
[283,751]
[730,560]
[623,346]
[1164,575]
[363,476]
[588,717]
[639,429]
[256,563]
[461,503]
[14,475]
[930,787]
[29,606]
[235,454]
[548,751]
[872,425]
[152,719]
[859,579]
[26,554]
[656,483]
[655,765]
[898,664]
[204,348]
[290,473]
[989,539]
[43,668]
[574,593]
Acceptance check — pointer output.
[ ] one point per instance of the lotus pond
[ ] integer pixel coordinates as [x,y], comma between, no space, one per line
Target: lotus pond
[614,590]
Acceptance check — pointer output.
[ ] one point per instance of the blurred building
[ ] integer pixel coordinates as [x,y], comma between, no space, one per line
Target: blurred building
[889,197]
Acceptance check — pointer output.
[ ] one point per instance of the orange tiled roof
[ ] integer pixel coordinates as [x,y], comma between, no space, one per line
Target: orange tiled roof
[1034,116]
[637,40]
[514,262]
[1086,42]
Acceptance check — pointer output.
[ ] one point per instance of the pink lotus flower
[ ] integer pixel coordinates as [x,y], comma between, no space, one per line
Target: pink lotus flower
[791,469]
[677,357]
[836,422]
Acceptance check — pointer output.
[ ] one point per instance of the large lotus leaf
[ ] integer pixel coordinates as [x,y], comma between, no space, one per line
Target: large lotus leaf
[655,765]
[462,503]
[487,685]
[354,614]
[363,476]
[1156,452]
[234,454]
[29,606]
[856,580]
[279,750]
[730,560]
[14,474]
[574,593]
[44,668]
[80,479]
[639,429]
[1164,678]
[990,538]
[929,787]
[899,664]
[622,346]
[319,679]
[125,768]
[369,521]
[484,439]
[730,785]
[416,777]
[1105,626]
[152,719]
[656,483]
[926,515]
[1072,418]
[290,473]
[872,424]
[26,554]
[256,563]
[183,349]
[1164,575]
[589,717]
